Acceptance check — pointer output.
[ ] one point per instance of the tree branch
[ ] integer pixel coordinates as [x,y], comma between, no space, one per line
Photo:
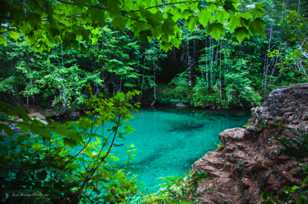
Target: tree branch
[93,170]
[100,6]
[166,4]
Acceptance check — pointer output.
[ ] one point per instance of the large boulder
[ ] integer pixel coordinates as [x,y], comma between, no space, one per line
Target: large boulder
[252,159]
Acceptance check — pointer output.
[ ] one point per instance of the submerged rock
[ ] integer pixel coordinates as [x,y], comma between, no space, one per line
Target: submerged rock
[253,159]
[184,126]
[38,116]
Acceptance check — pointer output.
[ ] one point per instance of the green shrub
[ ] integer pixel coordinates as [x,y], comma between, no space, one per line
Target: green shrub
[67,162]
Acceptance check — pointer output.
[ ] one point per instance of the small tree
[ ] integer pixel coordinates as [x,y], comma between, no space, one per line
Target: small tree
[68,162]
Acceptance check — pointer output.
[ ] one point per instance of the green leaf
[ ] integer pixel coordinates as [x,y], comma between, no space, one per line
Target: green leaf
[70,141]
[37,146]
[191,24]
[119,21]
[246,15]
[113,6]
[257,26]
[167,26]
[258,11]
[221,16]
[235,22]
[3,41]
[241,34]
[204,17]
[216,30]
[14,35]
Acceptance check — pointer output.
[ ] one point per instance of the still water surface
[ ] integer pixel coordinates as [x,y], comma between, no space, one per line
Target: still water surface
[167,142]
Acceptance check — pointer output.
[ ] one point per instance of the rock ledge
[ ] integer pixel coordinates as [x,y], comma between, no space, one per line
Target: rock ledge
[252,159]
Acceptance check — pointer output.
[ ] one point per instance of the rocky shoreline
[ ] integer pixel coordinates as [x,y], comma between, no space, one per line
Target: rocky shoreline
[254,159]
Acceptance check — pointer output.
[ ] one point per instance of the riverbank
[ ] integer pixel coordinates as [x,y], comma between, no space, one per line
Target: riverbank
[49,113]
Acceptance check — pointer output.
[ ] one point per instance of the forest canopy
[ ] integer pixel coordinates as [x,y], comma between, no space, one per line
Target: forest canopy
[48,23]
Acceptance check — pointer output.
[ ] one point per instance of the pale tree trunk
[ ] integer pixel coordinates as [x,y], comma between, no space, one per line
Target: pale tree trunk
[220,72]
[210,63]
[266,63]
[189,64]
[155,84]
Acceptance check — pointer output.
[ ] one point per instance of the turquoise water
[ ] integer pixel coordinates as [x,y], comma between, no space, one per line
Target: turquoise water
[169,141]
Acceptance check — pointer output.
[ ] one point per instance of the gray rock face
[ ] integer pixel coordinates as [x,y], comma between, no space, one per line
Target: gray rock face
[252,159]
[38,116]
[285,105]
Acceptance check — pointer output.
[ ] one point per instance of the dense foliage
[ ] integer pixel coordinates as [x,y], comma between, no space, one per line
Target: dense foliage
[223,73]
[65,163]
[59,78]
[216,72]
[45,23]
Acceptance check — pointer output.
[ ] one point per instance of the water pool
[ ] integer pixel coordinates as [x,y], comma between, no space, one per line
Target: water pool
[169,141]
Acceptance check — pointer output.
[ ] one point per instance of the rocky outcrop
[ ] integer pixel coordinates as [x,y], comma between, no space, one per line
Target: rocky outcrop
[38,116]
[253,159]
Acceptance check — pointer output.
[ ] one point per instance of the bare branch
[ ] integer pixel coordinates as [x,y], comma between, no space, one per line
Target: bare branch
[73,3]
